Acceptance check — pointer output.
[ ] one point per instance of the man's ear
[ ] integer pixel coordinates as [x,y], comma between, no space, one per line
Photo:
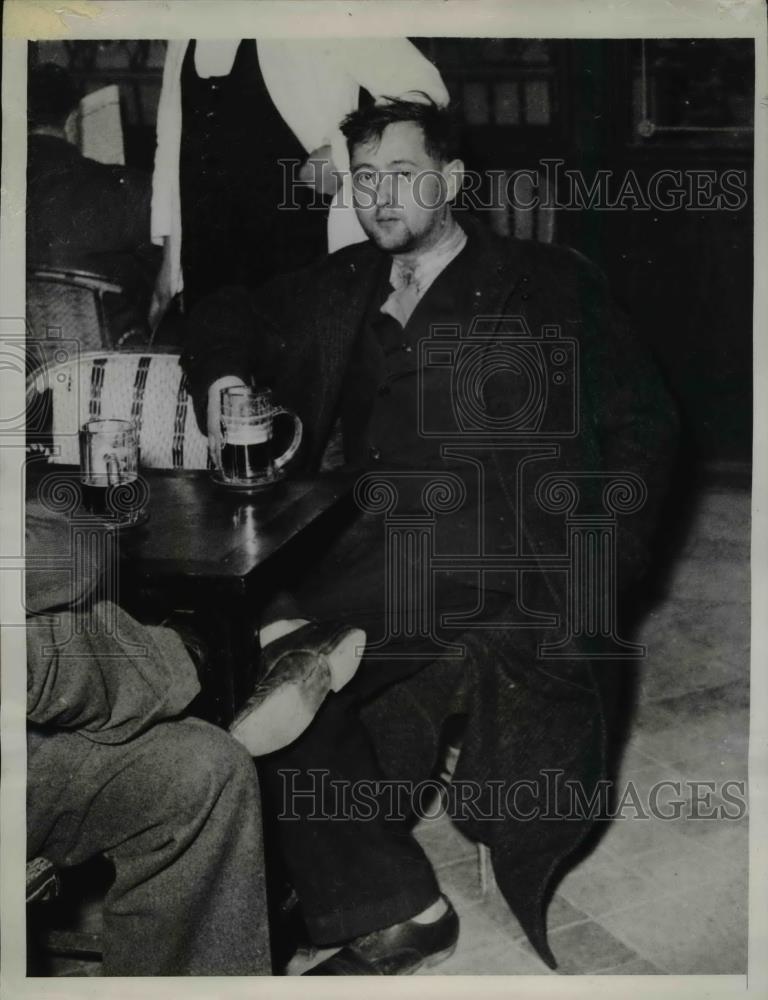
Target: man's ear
[453,173]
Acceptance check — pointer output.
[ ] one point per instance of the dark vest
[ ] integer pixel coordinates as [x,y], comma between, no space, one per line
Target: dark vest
[386,381]
[387,395]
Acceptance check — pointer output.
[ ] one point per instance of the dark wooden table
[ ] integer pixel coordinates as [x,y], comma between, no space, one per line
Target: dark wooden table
[216,556]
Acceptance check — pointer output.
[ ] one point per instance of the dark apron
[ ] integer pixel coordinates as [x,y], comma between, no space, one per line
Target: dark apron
[232,183]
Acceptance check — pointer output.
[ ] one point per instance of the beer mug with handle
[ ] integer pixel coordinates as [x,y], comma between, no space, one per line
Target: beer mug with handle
[248,461]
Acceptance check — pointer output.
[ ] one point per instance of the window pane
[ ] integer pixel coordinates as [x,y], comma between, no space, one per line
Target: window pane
[507,103]
[537,102]
[476,110]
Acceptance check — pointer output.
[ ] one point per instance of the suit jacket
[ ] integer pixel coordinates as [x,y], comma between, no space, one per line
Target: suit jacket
[297,334]
[527,715]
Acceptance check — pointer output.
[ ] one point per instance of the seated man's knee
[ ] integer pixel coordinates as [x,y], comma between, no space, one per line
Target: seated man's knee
[203,764]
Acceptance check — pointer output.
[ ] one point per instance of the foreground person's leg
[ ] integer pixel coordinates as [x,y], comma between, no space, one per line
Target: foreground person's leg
[177,812]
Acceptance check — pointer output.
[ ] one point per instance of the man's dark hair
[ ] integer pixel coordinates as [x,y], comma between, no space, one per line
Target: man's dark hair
[52,95]
[439,125]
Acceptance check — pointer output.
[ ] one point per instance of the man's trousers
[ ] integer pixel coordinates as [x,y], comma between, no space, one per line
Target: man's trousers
[356,867]
[176,810]
[343,825]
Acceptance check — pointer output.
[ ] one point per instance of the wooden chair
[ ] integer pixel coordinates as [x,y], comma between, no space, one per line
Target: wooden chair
[149,389]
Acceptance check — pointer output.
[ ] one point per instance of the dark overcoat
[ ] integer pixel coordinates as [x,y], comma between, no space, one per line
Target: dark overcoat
[530,718]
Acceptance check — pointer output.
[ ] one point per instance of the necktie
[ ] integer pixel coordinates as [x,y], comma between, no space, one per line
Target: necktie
[404,296]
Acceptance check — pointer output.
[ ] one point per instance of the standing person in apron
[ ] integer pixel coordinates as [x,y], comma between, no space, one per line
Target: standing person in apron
[236,119]
[235,230]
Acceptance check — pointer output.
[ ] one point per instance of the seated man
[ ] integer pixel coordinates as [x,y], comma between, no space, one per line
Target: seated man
[115,768]
[342,341]
[82,214]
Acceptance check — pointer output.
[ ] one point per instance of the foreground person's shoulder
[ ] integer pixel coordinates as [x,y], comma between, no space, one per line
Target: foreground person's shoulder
[57,575]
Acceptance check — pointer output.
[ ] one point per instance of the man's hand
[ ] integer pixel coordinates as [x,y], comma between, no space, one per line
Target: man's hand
[214,414]
[318,170]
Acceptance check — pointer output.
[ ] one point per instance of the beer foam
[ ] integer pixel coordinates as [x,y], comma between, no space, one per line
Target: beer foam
[246,434]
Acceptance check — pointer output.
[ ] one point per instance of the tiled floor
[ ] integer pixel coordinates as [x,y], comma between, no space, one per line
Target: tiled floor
[656,896]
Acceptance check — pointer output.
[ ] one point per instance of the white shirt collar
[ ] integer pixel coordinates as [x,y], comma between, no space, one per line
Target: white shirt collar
[410,282]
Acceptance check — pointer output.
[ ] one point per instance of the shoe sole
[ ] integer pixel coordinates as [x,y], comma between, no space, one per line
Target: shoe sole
[432,960]
[426,963]
[280,715]
[344,658]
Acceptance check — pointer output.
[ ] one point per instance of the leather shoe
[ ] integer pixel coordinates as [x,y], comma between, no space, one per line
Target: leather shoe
[395,951]
[299,669]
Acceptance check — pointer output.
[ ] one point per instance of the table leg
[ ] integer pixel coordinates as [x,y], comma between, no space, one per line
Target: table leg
[228,668]
[220,635]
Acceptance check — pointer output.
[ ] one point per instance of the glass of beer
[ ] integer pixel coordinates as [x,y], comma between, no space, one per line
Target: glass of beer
[248,459]
[109,472]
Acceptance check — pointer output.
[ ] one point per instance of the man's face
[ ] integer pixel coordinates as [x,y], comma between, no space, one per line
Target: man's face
[401,192]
